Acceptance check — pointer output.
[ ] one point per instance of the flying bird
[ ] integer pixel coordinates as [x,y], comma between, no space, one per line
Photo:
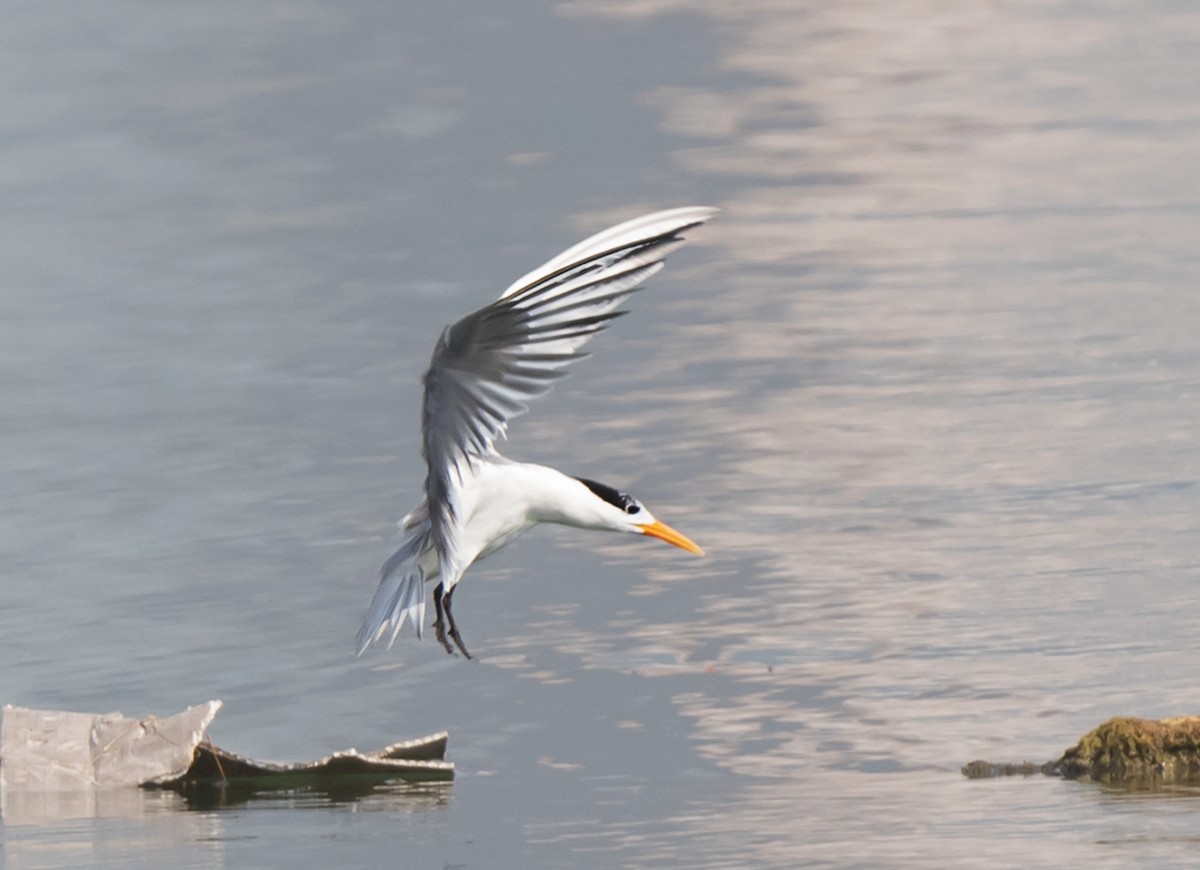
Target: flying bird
[485,368]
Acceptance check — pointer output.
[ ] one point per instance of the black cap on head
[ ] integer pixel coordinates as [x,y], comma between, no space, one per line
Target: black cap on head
[614,497]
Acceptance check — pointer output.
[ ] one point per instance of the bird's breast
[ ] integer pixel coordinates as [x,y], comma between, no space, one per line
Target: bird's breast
[496,506]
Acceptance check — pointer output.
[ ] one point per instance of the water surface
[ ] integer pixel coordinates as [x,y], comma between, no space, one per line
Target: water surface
[926,392]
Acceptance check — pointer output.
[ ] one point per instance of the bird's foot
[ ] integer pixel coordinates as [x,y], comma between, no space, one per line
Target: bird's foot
[458,641]
[439,630]
[441,633]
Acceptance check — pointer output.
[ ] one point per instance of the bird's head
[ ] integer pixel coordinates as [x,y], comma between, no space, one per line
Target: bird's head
[621,512]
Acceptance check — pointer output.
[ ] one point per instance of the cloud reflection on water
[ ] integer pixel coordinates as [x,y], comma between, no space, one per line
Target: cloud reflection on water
[946,460]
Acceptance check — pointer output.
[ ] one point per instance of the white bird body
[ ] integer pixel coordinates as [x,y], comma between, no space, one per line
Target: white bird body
[505,498]
[484,369]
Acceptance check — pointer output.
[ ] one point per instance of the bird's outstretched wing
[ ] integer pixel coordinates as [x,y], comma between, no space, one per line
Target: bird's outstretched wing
[487,366]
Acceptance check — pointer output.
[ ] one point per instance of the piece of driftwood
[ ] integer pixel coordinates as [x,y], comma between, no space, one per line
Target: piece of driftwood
[420,759]
[1125,751]
[219,778]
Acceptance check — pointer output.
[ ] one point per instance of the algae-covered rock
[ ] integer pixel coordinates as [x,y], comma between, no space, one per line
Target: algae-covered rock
[1124,751]
[1124,748]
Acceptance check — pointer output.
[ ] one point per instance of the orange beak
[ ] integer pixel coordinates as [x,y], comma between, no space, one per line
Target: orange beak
[665,533]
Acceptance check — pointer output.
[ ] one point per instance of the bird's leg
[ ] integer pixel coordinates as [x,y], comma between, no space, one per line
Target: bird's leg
[439,624]
[454,635]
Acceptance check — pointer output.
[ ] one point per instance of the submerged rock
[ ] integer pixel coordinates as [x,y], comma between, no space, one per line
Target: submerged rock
[1125,751]
[990,770]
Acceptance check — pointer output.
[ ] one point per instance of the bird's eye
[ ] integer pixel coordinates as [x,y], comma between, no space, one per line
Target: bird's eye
[632,507]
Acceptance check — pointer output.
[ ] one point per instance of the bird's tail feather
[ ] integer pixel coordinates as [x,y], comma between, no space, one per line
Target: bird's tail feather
[400,596]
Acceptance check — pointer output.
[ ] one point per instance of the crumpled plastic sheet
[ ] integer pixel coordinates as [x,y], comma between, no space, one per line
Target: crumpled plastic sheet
[53,750]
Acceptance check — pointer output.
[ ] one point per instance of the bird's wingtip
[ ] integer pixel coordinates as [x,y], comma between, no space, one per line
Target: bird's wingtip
[691,215]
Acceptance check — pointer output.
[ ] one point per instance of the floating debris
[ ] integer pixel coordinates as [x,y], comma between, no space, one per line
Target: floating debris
[52,750]
[1124,751]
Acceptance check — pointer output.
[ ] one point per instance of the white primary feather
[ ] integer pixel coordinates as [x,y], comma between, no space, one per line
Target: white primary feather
[400,595]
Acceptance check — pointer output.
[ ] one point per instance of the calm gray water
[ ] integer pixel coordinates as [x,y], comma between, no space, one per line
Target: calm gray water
[927,391]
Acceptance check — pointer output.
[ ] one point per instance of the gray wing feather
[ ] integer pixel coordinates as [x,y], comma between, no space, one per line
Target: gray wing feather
[489,365]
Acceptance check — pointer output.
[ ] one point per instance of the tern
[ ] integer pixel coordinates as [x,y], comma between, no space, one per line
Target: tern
[484,370]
